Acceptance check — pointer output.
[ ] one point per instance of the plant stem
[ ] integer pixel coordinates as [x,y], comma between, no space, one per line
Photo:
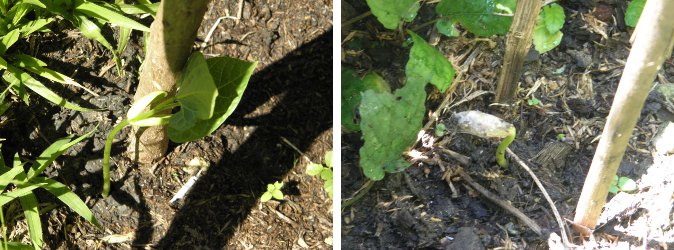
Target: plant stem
[500,151]
[106,155]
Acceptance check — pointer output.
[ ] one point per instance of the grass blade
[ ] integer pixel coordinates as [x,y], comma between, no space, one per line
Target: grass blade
[108,15]
[39,88]
[35,66]
[54,150]
[69,198]
[8,40]
[34,25]
[8,176]
[10,196]
[30,210]
[92,30]
[135,9]
[16,246]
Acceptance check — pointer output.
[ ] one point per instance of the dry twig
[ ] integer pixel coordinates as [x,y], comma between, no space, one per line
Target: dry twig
[505,205]
[562,226]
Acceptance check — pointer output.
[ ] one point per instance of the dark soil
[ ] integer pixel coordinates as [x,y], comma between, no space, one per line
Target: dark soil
[574,82]
[289,96]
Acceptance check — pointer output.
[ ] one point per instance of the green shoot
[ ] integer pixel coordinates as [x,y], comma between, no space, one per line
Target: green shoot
[325,172]
[622,184]
[487,126]
[273,191]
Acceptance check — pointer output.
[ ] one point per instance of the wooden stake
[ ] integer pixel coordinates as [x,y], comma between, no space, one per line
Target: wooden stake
[517,47]
[651,47]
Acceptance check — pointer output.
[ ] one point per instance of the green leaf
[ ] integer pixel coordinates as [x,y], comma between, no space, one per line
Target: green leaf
[328,159]
[314,169]
[196,94]
[231,78]
[552,17]
[352,87]
[277,194]
[326,174]
[265,197]
[92,30]
[134,9]
[545,41]
[31,212]
[390,122]
[447,28]
[426,64]
[533,101]
[63,193]
[108,15]
[16,246]
[278,185]
[8,176]
[440,129]
[54,150]
[481,17]
[33,26]
[626,184]
[16,193]
[8,40]
[390,13]
[270,187]
[39,88]
[633,12]
[144,102]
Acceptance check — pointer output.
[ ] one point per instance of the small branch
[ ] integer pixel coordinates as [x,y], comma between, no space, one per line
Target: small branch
[493,198]
[562,226]
[356,19]
[358,194]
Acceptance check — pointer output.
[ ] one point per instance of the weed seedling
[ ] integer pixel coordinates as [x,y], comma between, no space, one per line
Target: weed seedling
[622,184]
[273,191]
[325,172]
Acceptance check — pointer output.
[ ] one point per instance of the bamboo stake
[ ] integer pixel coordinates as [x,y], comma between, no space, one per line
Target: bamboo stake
[517,47]
[651,47]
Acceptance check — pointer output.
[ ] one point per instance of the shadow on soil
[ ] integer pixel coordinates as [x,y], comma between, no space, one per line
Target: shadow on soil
[301,84]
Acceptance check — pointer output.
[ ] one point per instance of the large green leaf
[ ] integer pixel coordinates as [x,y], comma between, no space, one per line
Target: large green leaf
[69,198]
[547,34]
[390,13]
[481,17]
[352,87]
[196,94]
[428,65]
[633,12]
[231,77]
[108,15]
[390,122]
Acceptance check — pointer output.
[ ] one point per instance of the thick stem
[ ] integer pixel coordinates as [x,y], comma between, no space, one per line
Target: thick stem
[171,37]
[651,47]
[517,47]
